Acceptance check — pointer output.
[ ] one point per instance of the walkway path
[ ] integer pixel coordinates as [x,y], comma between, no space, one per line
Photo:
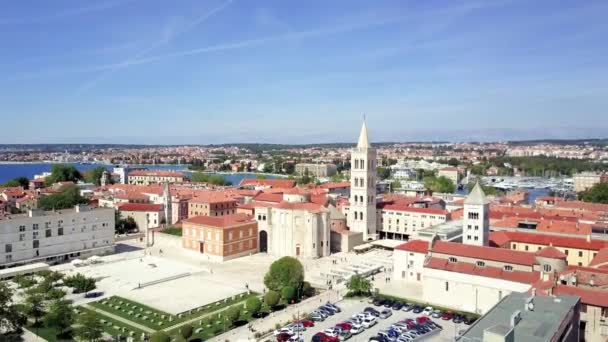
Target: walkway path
[120,319]
[198,318]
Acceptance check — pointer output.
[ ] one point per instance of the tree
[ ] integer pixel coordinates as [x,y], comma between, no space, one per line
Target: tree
[395,185]
[383,172]
[488,190]
[439,184]
[253,305]
[16,182]
[11,319]
[67,198]
[34,306]
[288,293]
[267,168]
[94,175]
[186,331]
[272,298]
[232,314]
[287,271]
[160,336]
[357,285]
[90,328]
[596,194]
[63,173]
[60,315]
[80,283]
[453,162]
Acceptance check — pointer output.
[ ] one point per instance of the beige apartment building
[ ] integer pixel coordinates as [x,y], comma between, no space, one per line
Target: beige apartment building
[585,180]
[146,177]
[55,236]
[221,238]
[317,170]
[451,173]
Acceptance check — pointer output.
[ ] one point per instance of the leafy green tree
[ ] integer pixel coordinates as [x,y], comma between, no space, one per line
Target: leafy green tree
[80,283]
[272,298]
[232,314]
[453,162]
[90,328]
[67,198]
[383,172]
[207,178]
[61,315]
[267,168]
[34,306]
[63,173]
[186,331]
[288,293]
[287,271]
[358,285]
[160,336]
[596,194]
[395,185]
[16,182]
[439,184]
[307,289]
[94,175]
[253,305]
[11,318]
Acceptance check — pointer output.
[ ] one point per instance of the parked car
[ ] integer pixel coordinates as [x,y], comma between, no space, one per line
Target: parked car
[469,320]
[378,338]
[306,323]
[344,335]
[386,313]
[332,332]
[344,326]
[284,330]
[407,307]
[436,313]
[458,318]
[428,310]
[317,317]
[333,306]
[357,329]
[417,309]
[397,306]
[321,337]
[369,322]
[388,303]
[378,301]
[321,313]
[296,338]
[283,337]
[447,316]
[422,319]
[93,294]
[372,311]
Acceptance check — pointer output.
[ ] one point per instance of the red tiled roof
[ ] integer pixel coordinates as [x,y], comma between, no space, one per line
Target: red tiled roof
[155,173]
[267,197]
[299,206]
[589,296]
[401,207]
[417,246]
[485,271]
[551,252]
[555,240]
[274,183]
[221,221]
[484,253]
[140,207]
[335,185]
[600,259]
[212,197]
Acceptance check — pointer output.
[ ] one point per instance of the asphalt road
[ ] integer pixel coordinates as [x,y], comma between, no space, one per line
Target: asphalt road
[351,307]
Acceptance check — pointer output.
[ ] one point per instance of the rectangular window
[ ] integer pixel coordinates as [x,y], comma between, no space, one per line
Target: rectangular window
[526,247]
[21,228]
[21,237]
[580,253]
[447,286]
[59,231]
[8,248]
[36,244]
[9,258]
[47,233]
[35,226]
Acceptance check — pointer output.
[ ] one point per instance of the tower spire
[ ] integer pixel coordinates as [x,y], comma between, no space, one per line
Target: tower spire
[363,141]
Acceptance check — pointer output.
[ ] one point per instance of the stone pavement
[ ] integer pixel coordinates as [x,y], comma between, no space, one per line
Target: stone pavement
[286,315]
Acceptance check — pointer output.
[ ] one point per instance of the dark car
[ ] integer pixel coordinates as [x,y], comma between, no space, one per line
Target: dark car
[458,318]
[378,301]
[94,294]
[469,320]
[417,309]
[407,307]
[378,338]
[372,311]
[388,303]
[283,337]
[397,306]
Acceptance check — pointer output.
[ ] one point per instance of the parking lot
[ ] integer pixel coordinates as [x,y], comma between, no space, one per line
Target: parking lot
[351,307]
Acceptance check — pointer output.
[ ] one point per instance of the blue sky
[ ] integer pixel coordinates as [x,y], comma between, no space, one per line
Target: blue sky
[207,71]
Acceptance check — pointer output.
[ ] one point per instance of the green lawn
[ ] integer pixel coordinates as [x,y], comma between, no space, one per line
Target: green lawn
[157,319]
[114,328]
[48,333]
[172,231]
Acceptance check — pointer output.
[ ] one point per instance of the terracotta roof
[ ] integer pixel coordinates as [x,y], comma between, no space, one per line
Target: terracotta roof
[417,246]
[600,259]
[401,207]
[221,221]
[485,271]
[212,197]
[484,253]
[274,183]
[554,240]
[335,185]
[267,197]
[589,296]
[140,207]
[551,252]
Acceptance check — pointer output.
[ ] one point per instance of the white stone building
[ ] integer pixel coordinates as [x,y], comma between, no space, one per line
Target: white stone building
[476,218]
[362,211]
[56,236]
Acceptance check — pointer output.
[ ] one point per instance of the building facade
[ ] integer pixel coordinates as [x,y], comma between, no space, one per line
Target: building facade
[585,180]
[56,236]
[317,170]
[476,218]
[221,238]
[146,177]
[362,210]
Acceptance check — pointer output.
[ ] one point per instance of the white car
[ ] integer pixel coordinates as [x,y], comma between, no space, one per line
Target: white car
[369,322]
[356,329]
[285,330]
[296,338]
[428,310]
[331,332]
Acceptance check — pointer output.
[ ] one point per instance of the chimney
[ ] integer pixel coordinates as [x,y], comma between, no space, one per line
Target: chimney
[515,318]
[529,304]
